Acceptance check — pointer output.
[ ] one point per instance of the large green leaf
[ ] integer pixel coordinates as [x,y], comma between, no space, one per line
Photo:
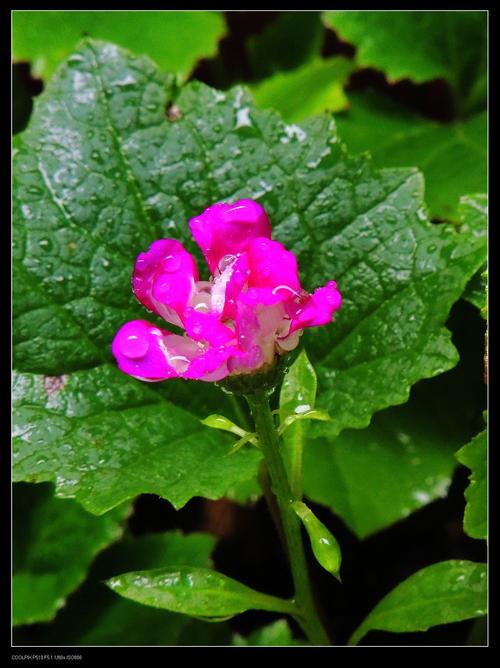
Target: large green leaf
[474,218]
[103,437]
[445,592]
[421,45]
[452,156]
[100,173]
[198,592]
[474,456]
[55,541]
[379,475]
[175,40]
[311,89]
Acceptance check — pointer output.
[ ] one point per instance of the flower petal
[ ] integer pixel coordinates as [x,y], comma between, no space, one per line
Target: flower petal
[207,327]
[225,229]
[272,266]
[211,365]
[164,279]
[139,349]
[318,309]
[264,296]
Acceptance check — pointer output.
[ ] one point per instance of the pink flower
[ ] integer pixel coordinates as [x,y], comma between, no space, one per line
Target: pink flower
[251,309]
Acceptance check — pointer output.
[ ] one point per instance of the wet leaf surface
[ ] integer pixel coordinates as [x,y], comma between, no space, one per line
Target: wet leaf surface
[439,594]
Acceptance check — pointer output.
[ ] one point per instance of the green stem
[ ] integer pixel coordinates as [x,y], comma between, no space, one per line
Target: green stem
[307,615]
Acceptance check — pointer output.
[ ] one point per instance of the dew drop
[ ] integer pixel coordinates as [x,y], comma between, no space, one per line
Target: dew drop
[243,118]
[134,347]
[179,363]
[171,263]
[75,59]
[226,262]
[303,408]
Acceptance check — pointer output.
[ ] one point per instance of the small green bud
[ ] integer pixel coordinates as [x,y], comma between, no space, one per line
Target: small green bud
[324,545]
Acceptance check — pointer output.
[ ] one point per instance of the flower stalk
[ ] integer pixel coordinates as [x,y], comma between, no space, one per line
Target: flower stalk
[307,615]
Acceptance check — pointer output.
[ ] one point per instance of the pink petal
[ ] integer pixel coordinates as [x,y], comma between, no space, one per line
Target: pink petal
[164,279]
[139,349]
[211,365]
[207,327]
[247,361]
[225,229]
[255,327]
[319,309]
[273,267]
[263,296]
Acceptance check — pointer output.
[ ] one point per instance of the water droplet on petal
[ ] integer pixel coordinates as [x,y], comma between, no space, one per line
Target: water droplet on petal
[171,263]
[134,347]
[226,262]
[179,363]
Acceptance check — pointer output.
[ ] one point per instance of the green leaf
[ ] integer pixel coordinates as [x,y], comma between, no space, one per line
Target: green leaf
[474,218]
[113,620]
[379,475]
[313,88]
[198,592]
[420,45]
[55,542]
[101,173]
[216,421]
[269,51]
[298,394]
[306,415]
[474,456]
[323,543]
[476,292]
[298,390]
[445,592]
[451,156]
[276,633]
[175,40]
[473,212]
[103,437]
